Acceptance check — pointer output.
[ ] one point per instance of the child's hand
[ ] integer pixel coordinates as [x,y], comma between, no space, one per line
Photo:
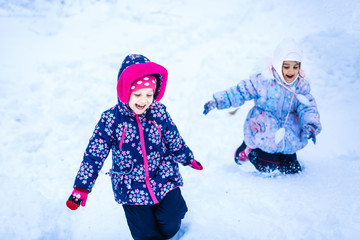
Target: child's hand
[196,165]
[309,130]
[210,105]
[77,197]
[257,127]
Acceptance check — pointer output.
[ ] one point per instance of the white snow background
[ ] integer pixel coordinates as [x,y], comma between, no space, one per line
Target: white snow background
[58,67]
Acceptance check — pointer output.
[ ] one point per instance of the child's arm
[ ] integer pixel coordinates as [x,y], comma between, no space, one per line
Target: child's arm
[176,144]
[96,152]
[94,157]
[235,96]
[309,116]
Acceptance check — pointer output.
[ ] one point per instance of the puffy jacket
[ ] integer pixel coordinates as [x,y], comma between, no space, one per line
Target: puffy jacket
[146,149]
[276,106]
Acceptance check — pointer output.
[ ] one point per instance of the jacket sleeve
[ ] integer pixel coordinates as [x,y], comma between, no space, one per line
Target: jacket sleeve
[175,143]
[237,95]
[96,153]
[308,112]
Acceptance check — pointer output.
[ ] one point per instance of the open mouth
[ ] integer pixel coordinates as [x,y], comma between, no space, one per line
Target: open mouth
[140,107]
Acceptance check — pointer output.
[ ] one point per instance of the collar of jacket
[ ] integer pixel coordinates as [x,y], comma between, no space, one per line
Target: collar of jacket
[125,110]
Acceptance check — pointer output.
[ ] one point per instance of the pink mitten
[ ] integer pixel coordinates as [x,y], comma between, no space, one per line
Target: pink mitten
[196,165]
[77,197]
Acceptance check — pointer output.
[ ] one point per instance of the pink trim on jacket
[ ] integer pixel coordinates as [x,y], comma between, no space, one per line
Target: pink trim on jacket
[123,136]
[146,164]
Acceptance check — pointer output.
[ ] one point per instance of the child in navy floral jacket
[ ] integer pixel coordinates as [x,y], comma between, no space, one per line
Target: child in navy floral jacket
[146,149]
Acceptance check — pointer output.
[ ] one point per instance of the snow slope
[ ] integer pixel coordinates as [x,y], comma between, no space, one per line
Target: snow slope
[58,67]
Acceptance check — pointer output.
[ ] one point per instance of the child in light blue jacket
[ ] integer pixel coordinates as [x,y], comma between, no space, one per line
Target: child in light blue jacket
[284,117]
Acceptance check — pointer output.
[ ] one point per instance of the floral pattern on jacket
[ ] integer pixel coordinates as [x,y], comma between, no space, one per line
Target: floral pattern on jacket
[276,106]
[146,150]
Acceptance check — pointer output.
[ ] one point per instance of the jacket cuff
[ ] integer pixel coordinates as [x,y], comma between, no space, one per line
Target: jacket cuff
[81,190]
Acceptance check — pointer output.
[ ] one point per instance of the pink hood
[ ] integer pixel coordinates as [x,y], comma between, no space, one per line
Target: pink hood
[134,67]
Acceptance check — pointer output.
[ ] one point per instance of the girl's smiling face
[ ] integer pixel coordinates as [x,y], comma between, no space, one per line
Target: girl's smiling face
[141,99]
[290,70]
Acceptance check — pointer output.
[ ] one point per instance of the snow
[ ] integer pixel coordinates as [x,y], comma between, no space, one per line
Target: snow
[59,62]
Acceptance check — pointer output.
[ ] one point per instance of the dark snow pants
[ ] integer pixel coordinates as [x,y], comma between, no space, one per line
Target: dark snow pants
[159,221]
[268,162]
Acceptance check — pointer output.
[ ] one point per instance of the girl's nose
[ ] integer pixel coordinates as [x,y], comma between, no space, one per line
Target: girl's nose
[142,100]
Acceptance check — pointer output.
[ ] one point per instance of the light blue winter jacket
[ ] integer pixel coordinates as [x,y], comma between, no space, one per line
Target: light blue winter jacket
[276,106]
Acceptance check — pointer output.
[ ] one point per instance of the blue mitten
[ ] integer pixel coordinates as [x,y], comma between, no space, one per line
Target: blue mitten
[309,130]
[210,105]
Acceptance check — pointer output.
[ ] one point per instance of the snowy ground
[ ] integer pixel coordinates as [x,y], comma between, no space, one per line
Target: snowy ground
[58,67]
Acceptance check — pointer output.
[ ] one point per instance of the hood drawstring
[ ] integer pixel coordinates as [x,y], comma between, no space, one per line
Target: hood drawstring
[112,172]
[279,135]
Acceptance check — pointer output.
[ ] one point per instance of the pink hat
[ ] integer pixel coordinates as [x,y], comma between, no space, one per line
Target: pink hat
[144,82]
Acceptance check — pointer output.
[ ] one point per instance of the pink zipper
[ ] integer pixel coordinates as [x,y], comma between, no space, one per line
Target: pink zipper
[146,163]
